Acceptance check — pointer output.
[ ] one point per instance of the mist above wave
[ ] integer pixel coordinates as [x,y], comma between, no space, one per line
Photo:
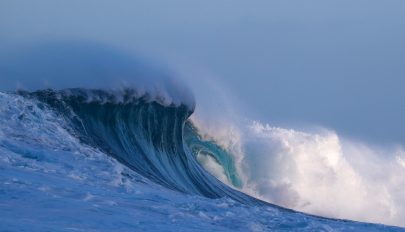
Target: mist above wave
[62,65]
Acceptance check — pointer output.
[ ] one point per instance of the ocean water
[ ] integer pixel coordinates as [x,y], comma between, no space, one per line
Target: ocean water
[71,162]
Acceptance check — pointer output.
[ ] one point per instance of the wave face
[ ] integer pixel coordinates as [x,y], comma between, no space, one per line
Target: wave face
[80,159]
[141,133]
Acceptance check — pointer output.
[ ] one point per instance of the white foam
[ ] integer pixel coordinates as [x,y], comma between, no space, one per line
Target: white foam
[319,173]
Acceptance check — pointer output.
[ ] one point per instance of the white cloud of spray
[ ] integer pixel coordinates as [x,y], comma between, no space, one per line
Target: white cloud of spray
[317,172]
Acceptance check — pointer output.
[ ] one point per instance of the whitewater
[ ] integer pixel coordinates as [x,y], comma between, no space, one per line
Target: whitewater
[137,157]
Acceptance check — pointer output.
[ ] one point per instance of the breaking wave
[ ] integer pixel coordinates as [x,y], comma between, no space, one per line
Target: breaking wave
[149,127]
[316,173]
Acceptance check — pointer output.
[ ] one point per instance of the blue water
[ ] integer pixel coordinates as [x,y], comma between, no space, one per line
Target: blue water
[84,160]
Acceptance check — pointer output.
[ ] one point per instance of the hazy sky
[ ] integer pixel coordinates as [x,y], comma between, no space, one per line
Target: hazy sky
[340,64]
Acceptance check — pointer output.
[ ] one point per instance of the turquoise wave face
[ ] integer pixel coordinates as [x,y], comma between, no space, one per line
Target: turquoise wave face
[209,149]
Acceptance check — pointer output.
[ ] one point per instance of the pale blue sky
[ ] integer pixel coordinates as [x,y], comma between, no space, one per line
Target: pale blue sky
[339,63]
